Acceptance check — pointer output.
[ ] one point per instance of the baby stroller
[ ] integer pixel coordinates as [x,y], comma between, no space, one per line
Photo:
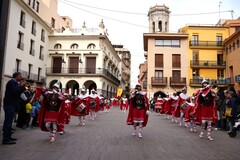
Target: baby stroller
[233,133]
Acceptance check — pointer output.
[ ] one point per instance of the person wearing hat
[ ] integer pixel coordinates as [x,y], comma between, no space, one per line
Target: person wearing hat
[205,110]
[80,107]
[138,111]
[51,116]
[171,107]
[94,104]
[159,104]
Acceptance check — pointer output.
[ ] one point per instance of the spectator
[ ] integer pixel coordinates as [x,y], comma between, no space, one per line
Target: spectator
[10,102]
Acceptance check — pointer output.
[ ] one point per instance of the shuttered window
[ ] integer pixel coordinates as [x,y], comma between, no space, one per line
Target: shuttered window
[176,61]
[159,60]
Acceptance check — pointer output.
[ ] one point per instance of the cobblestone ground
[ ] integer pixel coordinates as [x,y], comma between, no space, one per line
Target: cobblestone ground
[108,138]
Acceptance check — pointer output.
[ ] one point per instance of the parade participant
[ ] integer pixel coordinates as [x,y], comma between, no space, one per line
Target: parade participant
[189,116]
[80,107]
[205,110]
[138,111]
[51,114]
[101,103]
[165,105]
[182,105]
[107,104]
[68,107]
[171,107]
[158,104]
[124,104]
[93,104]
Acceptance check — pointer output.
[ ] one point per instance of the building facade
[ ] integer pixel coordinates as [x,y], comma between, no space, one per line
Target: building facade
[166,56]
[83,57]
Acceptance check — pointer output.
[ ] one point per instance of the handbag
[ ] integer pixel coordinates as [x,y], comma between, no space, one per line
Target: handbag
[228,111]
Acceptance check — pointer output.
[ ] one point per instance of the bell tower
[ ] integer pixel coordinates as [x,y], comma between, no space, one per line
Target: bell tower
[158,17]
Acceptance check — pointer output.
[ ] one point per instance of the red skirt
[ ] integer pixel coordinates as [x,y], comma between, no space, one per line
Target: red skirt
[207,113]
[138,115]
[51,116]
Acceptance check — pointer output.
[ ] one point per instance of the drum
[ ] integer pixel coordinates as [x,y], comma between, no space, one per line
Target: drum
[81,107]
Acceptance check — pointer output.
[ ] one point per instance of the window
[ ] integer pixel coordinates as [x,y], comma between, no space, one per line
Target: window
[58,46]
[43,35]
[22,19]
[74,46]
[220,58]
[220,73]
[230,49]
[91,46]
[195,73]
[33,4]
[20,44]
[237,43]
[34,28]
[176,73]
[160,26]
[233,46]
[153,26]
[194,41]
[29,2]
[53,23]
[18,65]
[159,60]
[219,40]
[195,57]
[166,27]
[41,56]
[167,43]
[176,61]
[29,70]
[39,73]
[158,73]
[226,50]
[32,51]
[37,6]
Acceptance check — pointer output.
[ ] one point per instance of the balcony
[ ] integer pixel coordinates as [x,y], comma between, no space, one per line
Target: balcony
[230,80]
[208,64]
[237,78]
[159,81]
[178,81]
[222,82]
[205,44]
[87,72]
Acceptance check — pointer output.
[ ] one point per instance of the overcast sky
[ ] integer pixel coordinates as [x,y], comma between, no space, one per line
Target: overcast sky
[127,20]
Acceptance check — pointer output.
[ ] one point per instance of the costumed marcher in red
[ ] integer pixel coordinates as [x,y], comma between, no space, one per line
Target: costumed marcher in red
[158,104]
[51,114]
[80,107]
[124,104]
[189,114]
[93,104]
[164,108]
[172,107]
[68,107]
[182,105]
[138,111]
[205,110]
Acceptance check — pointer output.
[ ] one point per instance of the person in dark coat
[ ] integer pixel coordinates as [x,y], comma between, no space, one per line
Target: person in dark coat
[10,102]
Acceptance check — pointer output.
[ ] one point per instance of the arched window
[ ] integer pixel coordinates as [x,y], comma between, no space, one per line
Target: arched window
[58,46]
[74,46]
[153,26]
[160,26]
[91,46]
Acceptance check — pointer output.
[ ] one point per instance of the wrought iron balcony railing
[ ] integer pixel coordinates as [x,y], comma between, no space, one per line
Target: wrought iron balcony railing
[178,81]
[82,71]
[206,43]
[160,81]
[207,64]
